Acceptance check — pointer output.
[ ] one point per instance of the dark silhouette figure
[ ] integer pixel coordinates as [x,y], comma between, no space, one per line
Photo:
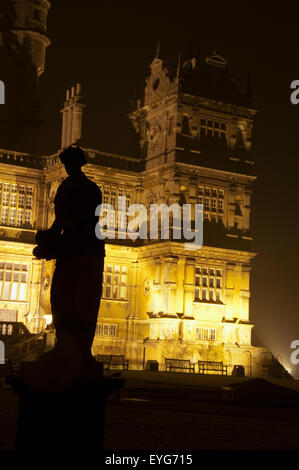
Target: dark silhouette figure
[77,280]
[65,384]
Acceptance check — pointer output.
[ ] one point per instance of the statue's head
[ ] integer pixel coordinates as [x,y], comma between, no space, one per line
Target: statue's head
[73,159]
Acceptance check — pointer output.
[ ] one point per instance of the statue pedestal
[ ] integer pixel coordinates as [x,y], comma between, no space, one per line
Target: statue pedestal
[70,419]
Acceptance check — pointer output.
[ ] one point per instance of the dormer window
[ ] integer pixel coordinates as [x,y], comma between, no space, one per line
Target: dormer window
[214,128]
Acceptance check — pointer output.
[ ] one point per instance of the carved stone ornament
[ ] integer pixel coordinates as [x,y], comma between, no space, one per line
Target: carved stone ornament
[146,286]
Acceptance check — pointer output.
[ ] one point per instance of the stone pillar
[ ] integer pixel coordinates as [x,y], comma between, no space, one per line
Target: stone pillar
[231,201]
[41,202]
[189,286]
[180,286]
[35,290]
[230,290]
[134,289]
[72,418]
[170,283]
[246,218]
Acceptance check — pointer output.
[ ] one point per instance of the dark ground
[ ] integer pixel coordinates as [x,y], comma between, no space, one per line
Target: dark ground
[182,413]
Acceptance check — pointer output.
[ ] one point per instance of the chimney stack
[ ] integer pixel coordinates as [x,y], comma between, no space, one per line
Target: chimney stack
[72,114]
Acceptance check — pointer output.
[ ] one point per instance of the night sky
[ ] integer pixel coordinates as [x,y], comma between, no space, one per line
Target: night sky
[108,48]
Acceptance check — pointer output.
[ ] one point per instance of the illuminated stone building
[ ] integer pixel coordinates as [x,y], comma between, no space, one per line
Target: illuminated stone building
[159,299]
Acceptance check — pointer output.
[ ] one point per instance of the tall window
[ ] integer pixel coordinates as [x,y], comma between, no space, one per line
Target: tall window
[205,334]
[20,217]
[213,334]
[110,196]
[198,333]
[115,282]
[13,281]
[106,329]
[12,217]
[213,200]
[208,284]
[14,199]
[214,128]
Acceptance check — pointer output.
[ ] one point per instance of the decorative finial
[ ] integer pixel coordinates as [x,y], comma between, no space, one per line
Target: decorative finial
[179,66]
[216,60]
[158,49]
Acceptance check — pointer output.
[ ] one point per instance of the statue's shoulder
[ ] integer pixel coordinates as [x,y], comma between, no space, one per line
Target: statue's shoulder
[80,187]
[93,186]
[63,189]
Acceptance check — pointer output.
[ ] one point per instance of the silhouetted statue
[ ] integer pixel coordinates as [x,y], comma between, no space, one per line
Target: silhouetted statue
[65,384]
[77,280]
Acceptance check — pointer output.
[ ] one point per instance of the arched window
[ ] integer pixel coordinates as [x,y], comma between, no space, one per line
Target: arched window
[185,126]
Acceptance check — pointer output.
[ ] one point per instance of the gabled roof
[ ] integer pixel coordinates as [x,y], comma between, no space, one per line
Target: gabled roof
[217,60]
[211,78]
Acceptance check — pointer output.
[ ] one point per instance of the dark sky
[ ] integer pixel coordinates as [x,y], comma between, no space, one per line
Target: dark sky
[108,47]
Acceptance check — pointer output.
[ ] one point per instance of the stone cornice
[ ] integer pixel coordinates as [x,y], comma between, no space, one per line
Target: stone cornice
[227,108]
[215,173]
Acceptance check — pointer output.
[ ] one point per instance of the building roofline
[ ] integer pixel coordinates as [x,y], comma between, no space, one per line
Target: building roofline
[216,170]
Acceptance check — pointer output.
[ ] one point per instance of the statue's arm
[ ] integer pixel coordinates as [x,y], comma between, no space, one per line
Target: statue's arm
[47,242]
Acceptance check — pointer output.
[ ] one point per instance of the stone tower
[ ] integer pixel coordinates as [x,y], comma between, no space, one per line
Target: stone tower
[30,27]
[195,129]
[23,43]
[182,109]
[155,117]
